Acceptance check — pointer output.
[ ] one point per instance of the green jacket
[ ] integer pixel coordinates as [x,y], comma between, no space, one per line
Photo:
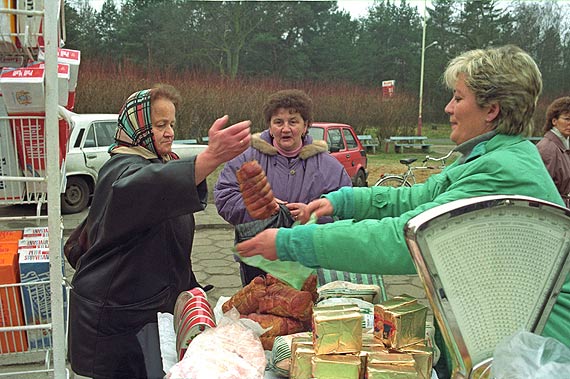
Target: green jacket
[373,219]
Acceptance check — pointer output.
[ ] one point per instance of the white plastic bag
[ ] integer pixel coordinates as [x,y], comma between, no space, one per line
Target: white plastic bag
[229,351]
[167,340]
[525,355]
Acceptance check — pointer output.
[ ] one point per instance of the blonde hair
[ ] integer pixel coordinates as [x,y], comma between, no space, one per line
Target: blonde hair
[505,75]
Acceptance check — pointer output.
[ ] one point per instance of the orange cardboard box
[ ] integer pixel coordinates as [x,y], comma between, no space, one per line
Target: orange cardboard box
[11,311]
[11,235]
[9,246]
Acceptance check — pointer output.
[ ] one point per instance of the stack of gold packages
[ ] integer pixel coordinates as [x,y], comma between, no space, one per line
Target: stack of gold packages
[338,349]
[400,324]
[280,357]
[334,352]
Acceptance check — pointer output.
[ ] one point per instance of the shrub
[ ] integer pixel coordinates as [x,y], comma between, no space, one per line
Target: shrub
[104,86]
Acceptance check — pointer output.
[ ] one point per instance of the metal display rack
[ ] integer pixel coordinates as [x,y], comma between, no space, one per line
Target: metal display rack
[37,179]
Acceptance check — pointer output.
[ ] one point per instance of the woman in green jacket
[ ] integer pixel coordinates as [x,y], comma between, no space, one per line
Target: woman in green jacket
[495,92]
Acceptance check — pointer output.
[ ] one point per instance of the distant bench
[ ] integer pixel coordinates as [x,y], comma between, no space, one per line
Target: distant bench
[369,142]
[400,142]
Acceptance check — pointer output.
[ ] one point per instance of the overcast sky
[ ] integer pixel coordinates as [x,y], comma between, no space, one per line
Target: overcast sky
[357,8]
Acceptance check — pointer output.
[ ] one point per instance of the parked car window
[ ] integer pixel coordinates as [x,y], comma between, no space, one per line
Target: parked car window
[335,139]
[317,133]
[100,134]
[77,142]
[350,141]
[90,139]
[106,133]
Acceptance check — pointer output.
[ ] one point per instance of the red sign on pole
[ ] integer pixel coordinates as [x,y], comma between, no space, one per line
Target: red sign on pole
[388,88]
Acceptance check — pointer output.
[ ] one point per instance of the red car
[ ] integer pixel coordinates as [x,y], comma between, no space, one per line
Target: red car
[344,146]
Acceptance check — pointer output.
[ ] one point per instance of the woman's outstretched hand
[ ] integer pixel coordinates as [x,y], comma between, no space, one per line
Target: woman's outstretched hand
[262,244]
[224,144]
[319,207]
[227,142]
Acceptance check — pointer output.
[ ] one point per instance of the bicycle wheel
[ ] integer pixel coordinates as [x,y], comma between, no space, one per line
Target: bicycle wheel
[392,181]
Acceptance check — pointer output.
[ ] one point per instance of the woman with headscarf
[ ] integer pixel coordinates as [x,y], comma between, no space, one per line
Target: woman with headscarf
[140,230]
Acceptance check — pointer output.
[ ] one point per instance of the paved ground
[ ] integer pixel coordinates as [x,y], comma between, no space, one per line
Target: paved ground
[211,256]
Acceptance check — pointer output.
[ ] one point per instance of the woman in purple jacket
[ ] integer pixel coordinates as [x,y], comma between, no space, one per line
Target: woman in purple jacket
[554,148]
[298,169]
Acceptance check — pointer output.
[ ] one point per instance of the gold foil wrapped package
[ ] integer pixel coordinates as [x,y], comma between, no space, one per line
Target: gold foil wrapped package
[301,341]
[423,357]
[379,310]
[302,338]
[371,342]
[301,363]
[404,325]
[365,308]
[280,358]
[337,332]
[336,366]
[336,307]
[391,358]
[371,349]
[386,372]
[391,366]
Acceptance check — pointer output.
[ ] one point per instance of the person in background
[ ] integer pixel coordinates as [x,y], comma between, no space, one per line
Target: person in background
[140,230]
[495,92]
[298,168]
[555,148]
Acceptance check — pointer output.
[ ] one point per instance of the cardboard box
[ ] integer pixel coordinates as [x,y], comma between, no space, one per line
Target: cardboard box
[9,247]
[36,299]
[11,312]
[72,58]
[11,235]
[34,243]
[31,143]
[15,61]
[9,190]
[62,80]
[40,231]
[23,90]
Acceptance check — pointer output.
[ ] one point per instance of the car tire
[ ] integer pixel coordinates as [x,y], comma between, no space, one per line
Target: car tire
[360,179]
[76,195]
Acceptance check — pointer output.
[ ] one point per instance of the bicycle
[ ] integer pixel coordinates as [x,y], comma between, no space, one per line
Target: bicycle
[408,178]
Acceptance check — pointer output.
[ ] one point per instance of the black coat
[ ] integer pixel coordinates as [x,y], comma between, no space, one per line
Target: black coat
[140,228]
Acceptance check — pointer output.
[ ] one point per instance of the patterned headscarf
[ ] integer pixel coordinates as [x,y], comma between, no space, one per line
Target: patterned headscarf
[134,128]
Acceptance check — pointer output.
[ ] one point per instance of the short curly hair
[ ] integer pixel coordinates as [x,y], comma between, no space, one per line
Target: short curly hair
[505,75]
[556,109]
[292,99]
[165,91]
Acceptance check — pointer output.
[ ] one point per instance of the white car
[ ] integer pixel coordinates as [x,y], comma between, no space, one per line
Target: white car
[91,136]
